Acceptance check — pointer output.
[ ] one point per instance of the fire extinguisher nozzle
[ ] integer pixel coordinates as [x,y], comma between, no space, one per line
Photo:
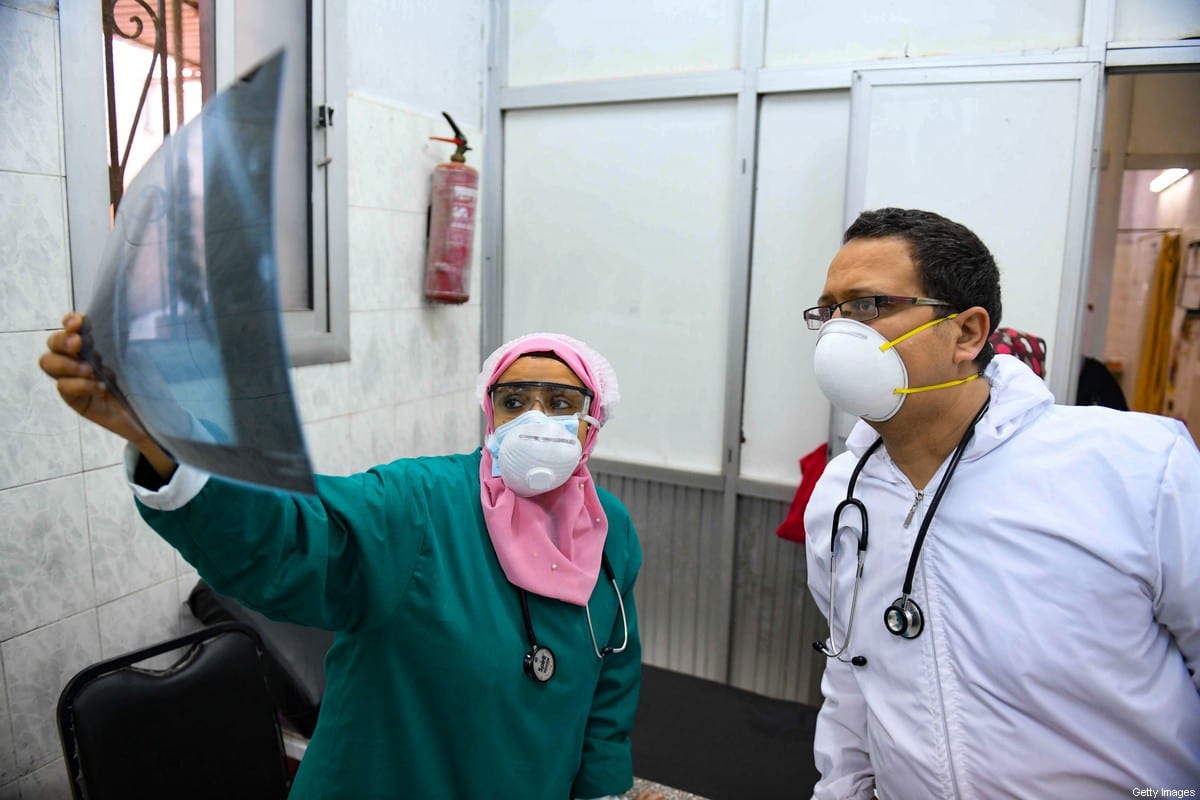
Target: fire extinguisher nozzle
[459,139]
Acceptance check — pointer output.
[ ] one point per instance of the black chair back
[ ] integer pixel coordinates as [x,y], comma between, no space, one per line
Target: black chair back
[295,655]
[205,727]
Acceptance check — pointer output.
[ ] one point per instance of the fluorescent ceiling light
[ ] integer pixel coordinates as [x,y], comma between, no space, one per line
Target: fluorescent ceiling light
[1166,178]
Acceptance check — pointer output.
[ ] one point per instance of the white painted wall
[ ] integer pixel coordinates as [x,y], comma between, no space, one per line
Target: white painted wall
[800,33]
[573,40]
[797,221]
[997,150]
[1155,20]
[423,57]
[624,242]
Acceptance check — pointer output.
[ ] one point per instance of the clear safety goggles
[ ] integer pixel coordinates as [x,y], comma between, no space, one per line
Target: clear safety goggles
[552,399]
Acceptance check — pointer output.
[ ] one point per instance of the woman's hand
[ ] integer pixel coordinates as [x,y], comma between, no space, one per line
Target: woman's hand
[80,389]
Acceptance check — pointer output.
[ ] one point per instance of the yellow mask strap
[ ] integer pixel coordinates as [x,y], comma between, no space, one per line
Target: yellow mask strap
[916,389]
[883,348]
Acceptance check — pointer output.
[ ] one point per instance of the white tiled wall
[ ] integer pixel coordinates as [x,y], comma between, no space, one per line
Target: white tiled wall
[46,548]
[41,435]
[48,626]
[37,665]
[29,124]
[8,757]
[81,576]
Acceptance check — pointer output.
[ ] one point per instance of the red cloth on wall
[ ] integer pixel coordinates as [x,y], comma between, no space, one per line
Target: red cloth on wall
[811,467]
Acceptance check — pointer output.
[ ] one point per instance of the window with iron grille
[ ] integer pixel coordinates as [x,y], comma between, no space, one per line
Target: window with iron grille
[161,59]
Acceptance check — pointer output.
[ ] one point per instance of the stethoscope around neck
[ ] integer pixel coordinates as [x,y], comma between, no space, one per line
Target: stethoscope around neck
[539,659]
[903,617]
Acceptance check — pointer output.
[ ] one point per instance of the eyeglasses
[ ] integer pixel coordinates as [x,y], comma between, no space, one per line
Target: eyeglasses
[555,399]
[862,309]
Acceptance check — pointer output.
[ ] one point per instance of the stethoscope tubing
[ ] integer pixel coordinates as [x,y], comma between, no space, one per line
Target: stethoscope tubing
[600,652]
[833,651]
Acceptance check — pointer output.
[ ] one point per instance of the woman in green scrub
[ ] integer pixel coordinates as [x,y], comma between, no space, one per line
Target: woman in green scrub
[486,639]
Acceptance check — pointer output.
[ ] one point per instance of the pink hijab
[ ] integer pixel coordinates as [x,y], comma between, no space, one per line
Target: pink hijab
[549,544]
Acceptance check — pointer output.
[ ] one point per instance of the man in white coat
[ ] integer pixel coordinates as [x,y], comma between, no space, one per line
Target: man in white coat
[1013,590]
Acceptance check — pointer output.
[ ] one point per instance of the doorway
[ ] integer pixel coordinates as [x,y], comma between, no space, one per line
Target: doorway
[1143,307]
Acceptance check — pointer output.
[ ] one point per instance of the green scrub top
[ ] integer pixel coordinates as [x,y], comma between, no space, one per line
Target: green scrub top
[426,695]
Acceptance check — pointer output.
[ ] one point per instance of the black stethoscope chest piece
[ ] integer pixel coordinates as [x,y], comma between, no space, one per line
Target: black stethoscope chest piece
[539,659]
[539,663]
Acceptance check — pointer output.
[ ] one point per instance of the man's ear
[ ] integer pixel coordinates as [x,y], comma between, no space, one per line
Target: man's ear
[974,325]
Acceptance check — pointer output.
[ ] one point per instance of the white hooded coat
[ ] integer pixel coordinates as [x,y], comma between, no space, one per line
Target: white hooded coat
[1060,585]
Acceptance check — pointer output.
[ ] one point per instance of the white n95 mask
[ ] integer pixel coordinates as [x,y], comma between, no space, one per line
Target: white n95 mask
[534,453]
[860,371]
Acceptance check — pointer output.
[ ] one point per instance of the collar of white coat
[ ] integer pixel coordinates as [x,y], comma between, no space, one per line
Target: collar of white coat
[1018,396]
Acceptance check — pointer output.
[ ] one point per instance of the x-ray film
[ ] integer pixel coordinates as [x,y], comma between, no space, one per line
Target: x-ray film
[184,326]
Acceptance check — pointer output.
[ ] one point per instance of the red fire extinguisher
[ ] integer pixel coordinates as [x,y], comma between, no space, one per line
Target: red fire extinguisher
[451,224]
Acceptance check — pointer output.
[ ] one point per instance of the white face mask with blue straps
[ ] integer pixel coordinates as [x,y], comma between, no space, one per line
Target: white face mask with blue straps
[535,453]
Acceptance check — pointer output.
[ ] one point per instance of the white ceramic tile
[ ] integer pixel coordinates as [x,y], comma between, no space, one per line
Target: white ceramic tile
[322,390]
[450,423]
[410,229]
[449,342]
[392,157]
[437,436]
[476,298]
[40,434]
[139,620]
[37,666]
[49,782]
[411,362]
[410,421]
[464,426]
[366,184]
[29,134]
[459,424]
[8,757]
[387,258]
[470,345]
[373,438]
[453,333]
[34,278]
[100,447]
[45,568]
[127,556]
[329,446]
[382,346]
[421,423]
[46,7]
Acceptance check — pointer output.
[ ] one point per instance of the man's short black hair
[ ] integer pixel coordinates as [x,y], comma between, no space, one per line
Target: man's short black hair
[952,263]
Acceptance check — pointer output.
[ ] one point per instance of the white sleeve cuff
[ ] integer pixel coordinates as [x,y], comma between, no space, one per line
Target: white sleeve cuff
[185,484]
